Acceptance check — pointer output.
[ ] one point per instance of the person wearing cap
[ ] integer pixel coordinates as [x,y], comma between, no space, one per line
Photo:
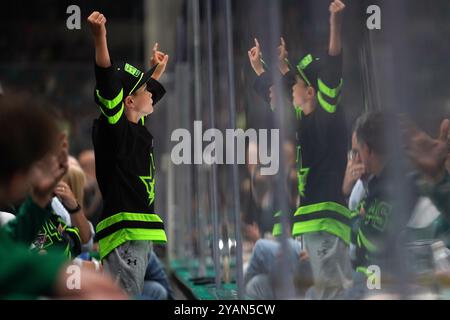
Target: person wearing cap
[322,218]
[125,161]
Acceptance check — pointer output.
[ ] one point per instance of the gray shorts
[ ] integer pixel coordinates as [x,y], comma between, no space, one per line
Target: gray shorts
[330,264]
[127,264]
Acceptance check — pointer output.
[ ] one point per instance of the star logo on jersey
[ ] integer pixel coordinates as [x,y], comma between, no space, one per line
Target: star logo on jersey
[149,182]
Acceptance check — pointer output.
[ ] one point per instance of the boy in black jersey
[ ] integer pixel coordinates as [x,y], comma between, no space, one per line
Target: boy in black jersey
[322,217]
[125,162]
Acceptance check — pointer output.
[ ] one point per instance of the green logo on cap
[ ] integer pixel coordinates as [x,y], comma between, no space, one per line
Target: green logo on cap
[132,70]
[305,62]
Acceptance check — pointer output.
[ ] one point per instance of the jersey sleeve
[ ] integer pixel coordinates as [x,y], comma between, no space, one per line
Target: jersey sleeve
[329,83]
[109,95]
[262,86]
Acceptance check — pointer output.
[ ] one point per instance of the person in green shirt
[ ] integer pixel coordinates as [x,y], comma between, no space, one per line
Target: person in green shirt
[33,161]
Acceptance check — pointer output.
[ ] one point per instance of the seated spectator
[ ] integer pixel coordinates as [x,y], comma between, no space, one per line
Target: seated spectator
[33,162]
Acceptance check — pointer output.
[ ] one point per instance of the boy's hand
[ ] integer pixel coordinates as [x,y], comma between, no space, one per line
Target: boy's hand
[254,55]
[282,57]
[337,8]
[97,22]
[158,58]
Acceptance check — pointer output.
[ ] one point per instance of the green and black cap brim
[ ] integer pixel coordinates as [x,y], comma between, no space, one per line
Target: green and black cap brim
[132,78]
[308,70]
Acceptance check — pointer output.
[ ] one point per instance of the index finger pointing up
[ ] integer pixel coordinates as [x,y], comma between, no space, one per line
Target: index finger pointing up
[257,43]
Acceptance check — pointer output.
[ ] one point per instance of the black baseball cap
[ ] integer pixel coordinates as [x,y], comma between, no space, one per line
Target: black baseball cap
[133,78]
[308,69]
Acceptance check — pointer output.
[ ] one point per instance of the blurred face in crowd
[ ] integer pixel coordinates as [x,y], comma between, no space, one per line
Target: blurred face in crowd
[355,153]
[355,156]
[140,102]
[366,156]
[302,95]
[16,188]
[19,184]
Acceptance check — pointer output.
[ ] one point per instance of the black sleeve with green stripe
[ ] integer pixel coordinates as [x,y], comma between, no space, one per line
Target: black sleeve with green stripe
[330,83]
[262,86]
[109,94]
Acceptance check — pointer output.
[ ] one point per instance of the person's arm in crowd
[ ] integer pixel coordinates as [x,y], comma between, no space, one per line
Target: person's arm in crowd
[288,76]
[263,81]
[109,92]
[283,57]
[263,84]
[330,78]
[36,209]
[254,55]
[79,220]
[353,173]
[158,61]
[337,8]
[97,22]
[429,156]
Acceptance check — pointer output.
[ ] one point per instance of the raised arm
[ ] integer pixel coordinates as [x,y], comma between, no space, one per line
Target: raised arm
[283,57]
[109,93]
[79,220]
[97,22]
[254,55]
[337,8]
[159,59]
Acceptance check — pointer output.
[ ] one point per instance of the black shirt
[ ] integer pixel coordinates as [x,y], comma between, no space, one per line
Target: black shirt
[125,164]
[322,143]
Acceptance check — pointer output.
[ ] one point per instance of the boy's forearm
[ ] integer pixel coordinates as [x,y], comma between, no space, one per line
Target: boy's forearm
[335,45]
[102,58]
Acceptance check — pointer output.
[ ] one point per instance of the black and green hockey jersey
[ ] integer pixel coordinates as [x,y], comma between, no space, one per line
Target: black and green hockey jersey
[322,155]
[125,168]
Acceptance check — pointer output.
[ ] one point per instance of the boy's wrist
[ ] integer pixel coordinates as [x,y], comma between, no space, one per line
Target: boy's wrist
[100,40]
